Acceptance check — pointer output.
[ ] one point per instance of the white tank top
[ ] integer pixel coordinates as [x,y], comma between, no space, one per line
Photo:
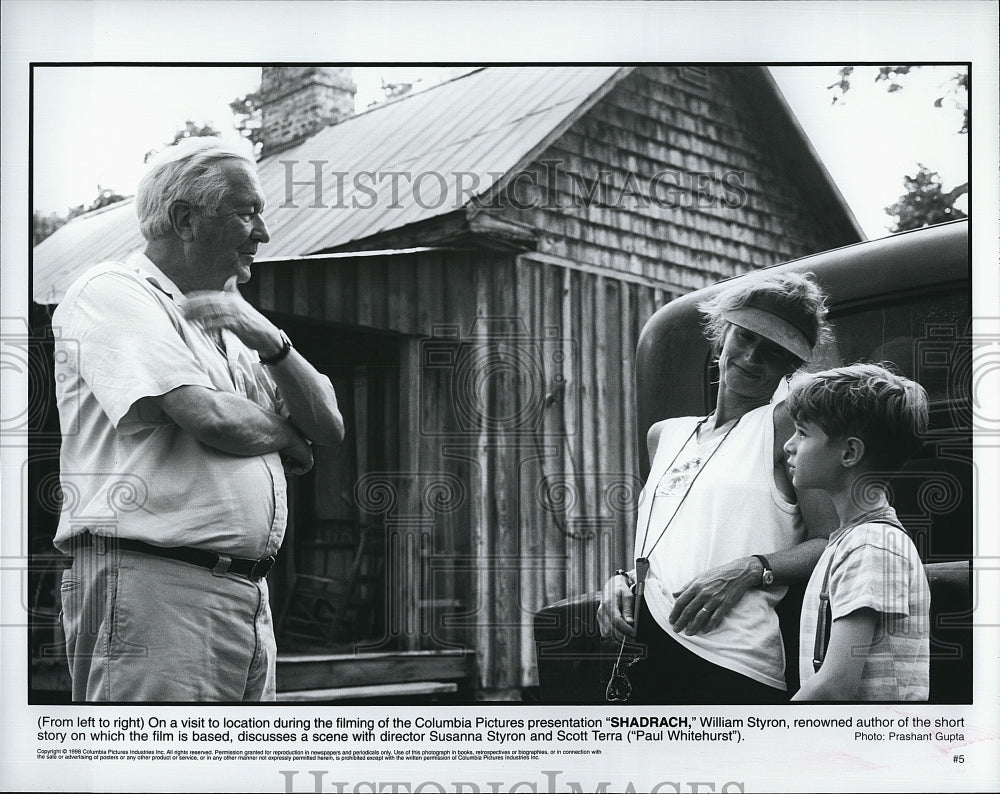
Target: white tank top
[734,509]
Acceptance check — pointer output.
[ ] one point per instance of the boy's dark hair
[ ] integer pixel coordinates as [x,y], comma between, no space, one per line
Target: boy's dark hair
[885,410]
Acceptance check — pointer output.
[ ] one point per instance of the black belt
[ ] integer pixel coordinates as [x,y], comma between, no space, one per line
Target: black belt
[218,564]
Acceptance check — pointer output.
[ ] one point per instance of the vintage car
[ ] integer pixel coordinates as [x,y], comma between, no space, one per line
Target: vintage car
[904,299]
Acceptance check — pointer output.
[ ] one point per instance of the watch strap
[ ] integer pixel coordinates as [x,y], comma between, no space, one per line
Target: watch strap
[286,348]
[767,575]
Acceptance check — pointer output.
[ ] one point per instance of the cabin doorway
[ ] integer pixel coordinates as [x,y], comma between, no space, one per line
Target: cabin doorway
[329,590]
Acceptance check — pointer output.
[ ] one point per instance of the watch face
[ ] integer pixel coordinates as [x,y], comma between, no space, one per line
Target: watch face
[768,578]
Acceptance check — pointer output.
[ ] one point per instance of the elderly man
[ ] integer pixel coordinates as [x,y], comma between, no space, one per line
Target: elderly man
[181,409]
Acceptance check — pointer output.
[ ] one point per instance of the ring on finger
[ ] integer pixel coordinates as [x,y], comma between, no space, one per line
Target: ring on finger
[706,611]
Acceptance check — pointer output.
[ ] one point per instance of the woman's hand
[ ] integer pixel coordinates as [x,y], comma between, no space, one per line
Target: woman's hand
[704,602]
[614,615]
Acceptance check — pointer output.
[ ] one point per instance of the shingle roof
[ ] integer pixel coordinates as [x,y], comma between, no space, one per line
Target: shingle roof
[482,124]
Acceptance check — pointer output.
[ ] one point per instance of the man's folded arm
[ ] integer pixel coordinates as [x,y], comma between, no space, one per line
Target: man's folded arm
[228,422]
[310,399]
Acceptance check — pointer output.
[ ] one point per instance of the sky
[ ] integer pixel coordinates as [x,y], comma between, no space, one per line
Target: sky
[93,125]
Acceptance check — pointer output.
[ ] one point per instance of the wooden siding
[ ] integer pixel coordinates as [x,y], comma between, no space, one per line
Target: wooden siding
[518,455]
[517,463]
[654,121]
[578,477]
[505,476]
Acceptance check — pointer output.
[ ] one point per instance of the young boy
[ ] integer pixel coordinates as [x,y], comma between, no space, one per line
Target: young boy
[869,640]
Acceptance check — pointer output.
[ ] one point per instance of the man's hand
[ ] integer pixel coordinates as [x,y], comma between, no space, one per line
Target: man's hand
[214,310]
[614,615]
[704,602]
[233,424]
[308,396]
[297,457]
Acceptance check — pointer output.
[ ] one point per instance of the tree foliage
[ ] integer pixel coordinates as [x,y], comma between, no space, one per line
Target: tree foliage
[957,90]
[248,118]
[925,201]
[397,90]
[43,225]
[191,129]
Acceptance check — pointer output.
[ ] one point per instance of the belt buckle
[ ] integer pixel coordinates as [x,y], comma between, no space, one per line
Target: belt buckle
[260,569]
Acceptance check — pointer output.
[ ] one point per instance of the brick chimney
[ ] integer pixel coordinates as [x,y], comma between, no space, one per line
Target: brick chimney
[297,101]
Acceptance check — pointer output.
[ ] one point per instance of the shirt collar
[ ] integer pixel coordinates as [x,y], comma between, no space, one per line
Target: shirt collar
[145,267]
[883,514]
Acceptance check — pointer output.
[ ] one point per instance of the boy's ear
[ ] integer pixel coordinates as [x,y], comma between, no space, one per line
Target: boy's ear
[852,452]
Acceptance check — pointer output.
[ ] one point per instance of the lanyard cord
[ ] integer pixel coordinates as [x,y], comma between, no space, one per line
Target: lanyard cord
[649,518]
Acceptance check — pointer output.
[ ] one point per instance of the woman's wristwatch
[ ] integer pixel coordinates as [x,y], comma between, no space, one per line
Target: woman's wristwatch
[767,575]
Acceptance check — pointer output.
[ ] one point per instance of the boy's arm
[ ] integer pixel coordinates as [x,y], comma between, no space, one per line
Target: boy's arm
[850,641]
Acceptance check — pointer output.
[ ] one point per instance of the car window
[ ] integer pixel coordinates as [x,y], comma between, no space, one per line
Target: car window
[927,338]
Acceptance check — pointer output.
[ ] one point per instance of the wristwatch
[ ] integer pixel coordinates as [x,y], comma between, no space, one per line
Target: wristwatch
[286,347]
[767,575]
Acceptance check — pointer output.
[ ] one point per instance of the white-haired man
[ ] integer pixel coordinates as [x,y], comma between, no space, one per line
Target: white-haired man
[181,407]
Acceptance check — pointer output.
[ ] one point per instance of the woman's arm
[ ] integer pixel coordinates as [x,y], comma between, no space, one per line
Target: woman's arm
[615,614]
[816,507]
[703,603]
[850,641]
[653,440]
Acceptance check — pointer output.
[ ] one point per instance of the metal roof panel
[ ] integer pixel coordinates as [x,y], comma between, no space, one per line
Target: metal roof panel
[487,120]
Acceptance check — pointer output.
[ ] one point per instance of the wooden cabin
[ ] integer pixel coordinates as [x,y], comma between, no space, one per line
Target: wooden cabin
[472,265]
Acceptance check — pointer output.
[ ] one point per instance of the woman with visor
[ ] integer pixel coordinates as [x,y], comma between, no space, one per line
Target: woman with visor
[720,528]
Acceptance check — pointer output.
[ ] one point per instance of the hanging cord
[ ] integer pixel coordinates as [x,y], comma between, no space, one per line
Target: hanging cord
[645,555]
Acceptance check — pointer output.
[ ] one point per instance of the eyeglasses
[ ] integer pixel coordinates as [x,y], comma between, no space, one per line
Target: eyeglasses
[619,687]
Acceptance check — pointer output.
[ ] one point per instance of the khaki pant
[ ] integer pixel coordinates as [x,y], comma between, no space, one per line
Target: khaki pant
[145,628]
